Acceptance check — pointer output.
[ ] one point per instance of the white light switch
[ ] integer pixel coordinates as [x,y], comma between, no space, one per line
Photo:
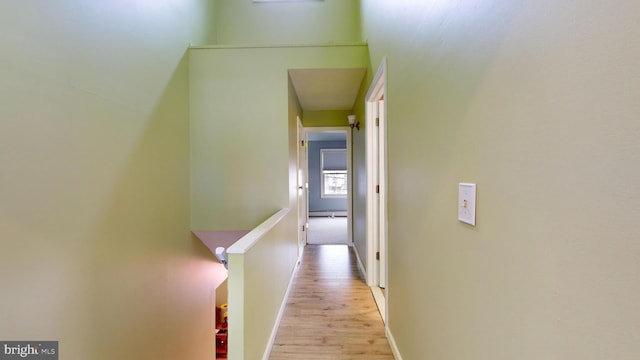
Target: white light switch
[467,203]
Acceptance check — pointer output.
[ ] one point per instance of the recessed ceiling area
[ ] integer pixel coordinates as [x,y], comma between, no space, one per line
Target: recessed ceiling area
[327,89]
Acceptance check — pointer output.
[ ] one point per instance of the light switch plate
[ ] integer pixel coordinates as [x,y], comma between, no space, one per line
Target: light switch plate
[467,203]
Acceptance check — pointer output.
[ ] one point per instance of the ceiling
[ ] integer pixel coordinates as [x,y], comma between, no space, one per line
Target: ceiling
[327,89]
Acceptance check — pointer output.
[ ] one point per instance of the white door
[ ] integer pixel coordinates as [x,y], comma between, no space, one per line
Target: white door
[376,155]
[381,180]
[302,188]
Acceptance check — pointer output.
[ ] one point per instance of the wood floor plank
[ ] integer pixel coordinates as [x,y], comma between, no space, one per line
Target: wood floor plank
[330,312]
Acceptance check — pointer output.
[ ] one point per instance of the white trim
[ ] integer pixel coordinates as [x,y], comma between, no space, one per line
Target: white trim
[378,296]
[301,186]
[246,242]
[377,89]
[363,270]
[379,84]
[370,231]
[382,197]
[392,344]
[283,306]
[376,204]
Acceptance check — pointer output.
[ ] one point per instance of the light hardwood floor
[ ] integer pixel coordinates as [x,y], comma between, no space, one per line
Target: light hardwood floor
[330,313]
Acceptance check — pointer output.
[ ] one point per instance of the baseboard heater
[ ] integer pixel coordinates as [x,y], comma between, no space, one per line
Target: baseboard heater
[327,213]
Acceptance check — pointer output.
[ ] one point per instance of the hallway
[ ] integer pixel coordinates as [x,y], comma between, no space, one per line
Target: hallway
[330,312]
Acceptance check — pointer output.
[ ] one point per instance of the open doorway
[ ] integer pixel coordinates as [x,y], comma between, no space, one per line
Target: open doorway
[329,185]
[325,97]
[376,159]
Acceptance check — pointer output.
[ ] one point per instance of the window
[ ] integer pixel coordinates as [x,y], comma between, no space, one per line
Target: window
[333,164]
[334,183]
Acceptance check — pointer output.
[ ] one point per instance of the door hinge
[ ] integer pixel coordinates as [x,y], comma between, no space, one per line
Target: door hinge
[302,143]
[377,255]
[377,189]
[377,121]
[302,227]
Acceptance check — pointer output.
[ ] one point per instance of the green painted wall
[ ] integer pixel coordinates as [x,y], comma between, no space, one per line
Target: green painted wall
[325,118]
[94,188]
[307,22]
[242,142]
[537,103]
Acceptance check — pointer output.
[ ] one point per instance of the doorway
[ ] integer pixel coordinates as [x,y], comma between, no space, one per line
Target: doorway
[376,159]
[328,184]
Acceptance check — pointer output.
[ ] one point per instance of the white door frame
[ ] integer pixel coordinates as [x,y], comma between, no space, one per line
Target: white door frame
[376,160]
[301,186]
[347,130]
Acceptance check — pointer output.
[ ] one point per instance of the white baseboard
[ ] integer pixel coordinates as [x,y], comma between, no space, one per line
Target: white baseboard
[381,302]
[392,343]
[360,266]
[283,306]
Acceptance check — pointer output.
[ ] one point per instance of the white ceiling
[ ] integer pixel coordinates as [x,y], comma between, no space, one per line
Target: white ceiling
[327,89]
